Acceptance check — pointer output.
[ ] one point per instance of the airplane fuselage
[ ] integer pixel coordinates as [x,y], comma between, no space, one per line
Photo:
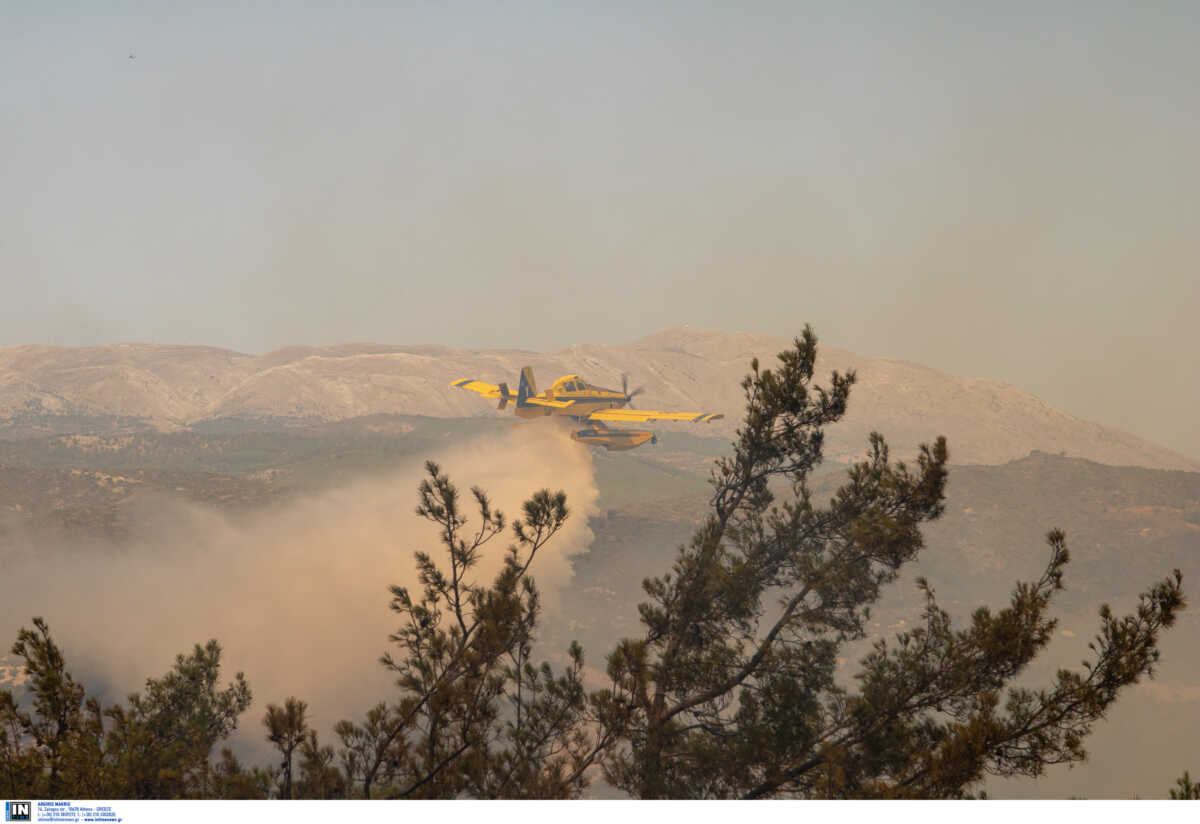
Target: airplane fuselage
[583,397]
[586,399]
[582,405]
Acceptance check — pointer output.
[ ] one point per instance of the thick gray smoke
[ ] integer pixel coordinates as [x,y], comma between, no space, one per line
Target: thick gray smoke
[297,595]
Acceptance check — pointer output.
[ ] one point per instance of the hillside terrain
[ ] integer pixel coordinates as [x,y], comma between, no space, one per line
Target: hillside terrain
[127,388]
[93,439]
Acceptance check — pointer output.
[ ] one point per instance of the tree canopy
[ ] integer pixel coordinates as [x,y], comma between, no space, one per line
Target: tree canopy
[733,679]
[158,745]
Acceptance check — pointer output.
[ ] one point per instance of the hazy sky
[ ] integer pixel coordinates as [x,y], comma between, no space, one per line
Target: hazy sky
[1005,190]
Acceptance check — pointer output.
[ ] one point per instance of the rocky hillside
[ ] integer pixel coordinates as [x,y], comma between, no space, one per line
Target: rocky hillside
[121,388]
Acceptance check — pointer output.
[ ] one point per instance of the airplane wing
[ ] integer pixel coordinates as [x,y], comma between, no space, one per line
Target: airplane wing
[647,415]
[488,390]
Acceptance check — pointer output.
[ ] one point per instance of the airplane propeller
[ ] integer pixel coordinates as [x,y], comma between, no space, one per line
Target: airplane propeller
[629,396]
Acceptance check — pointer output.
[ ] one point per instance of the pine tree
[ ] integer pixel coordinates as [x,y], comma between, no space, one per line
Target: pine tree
[160,745]
[287,729]
[732,684]
[1187,791]
[157,746]
[475,717]
[36,745]
[319,778]
[229,780]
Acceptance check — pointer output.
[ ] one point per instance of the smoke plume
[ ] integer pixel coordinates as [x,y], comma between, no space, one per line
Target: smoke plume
[296,594]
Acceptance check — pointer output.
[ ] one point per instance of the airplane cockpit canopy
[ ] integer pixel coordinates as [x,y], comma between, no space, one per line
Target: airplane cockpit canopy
[570,383]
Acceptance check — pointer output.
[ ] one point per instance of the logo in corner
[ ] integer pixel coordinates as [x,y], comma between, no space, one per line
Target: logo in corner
[18,810]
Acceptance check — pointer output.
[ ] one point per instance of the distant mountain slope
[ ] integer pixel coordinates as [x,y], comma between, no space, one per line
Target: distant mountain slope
[52,389]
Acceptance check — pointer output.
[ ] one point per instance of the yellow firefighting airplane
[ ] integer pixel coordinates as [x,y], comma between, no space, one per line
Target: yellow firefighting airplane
[573,397]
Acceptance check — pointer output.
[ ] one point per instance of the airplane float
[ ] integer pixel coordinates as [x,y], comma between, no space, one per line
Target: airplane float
[592,406]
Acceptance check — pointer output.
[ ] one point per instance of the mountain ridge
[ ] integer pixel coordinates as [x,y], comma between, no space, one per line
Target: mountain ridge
[170,387]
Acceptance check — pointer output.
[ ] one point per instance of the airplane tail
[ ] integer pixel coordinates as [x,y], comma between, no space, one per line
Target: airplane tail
[527,387]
